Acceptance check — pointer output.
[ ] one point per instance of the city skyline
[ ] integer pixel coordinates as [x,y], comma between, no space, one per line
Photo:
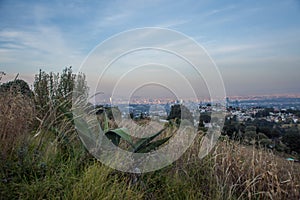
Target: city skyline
[254,44]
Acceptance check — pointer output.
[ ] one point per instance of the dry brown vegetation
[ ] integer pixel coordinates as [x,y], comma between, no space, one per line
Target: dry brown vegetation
[230,171]
[17,114]
[256,173]
[235,171]
[55,164]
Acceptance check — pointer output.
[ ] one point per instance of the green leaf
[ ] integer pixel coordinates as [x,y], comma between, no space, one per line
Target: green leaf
[85,133]
[60,135]
[153,145]
[142,143]
[82,126]
[113,137]
[120,133]
[106,127]
[68,114]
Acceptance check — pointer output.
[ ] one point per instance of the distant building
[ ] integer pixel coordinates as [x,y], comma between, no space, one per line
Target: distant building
[233,104]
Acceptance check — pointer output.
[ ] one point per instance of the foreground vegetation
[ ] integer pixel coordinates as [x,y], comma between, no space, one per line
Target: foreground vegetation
[43,158]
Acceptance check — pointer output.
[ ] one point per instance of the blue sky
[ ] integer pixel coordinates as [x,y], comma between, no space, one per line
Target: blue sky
[255,44]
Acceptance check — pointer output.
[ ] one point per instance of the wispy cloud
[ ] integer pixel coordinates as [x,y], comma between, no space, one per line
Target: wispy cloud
[219,10]
[40,46]
[172,24]
[239,48]
[238,35]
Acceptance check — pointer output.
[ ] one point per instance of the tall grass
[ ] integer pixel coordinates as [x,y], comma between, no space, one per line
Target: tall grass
[44,159]
[17,114]
[254,173]
[231,171]
[100,182]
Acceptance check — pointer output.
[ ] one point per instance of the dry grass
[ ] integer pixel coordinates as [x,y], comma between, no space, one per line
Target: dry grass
[17,114]
[230,171]
[255,173]
[234,171]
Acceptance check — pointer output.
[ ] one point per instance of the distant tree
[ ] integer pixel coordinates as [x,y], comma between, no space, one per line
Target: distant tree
[180,112]
[264,113]
[250,135]
[250,128]
[265,142]
[292,139]
[17,86]
[275,132]
[242,127]
[261,136]
[231,128]
[131,115]
[204,118]
[112,113]
[295,112]
[270,129]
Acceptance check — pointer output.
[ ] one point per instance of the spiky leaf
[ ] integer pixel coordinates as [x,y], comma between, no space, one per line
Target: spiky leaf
[142,143]
[82,126]
[106,127]
[116,135]
[153,145]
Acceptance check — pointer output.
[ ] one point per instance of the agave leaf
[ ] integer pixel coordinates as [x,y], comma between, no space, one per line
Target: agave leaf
[153,145]
[116,134]
[83,127]
[86,134]
[113,137]
[142,143]
[106,127]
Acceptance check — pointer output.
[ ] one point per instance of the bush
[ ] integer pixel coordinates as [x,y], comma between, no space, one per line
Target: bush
[16,86]
[17,115]
[261,136]
[250,128]
[53,100]
[52,89]
[251,135]
[180,112]
[292,139]
[266,142]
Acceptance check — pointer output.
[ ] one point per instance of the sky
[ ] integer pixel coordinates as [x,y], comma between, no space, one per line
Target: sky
[254,44]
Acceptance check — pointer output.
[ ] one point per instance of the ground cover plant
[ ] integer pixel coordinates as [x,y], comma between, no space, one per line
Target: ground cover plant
[42,157]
